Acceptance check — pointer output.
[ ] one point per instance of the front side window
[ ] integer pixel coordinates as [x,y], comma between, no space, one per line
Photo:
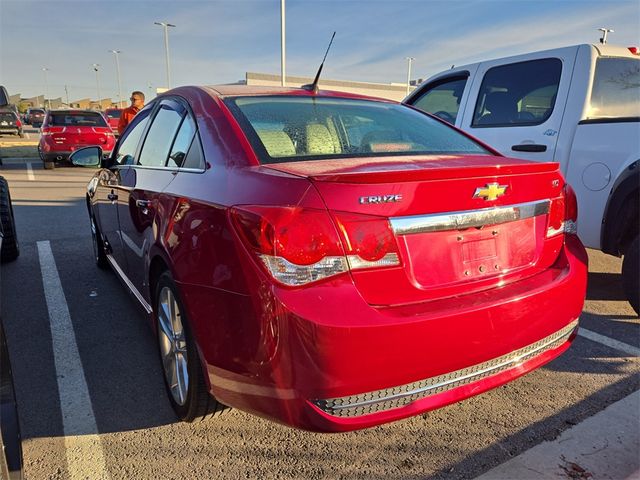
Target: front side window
[290,128]
[616,88]
[129,142]
[161,134]
[518,94]
[443,99]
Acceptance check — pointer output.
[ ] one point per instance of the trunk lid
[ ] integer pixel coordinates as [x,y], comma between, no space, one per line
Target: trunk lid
[462,223]
[76,136]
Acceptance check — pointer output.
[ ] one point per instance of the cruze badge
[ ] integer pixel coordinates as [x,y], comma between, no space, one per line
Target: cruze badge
[490,191]
[376,199]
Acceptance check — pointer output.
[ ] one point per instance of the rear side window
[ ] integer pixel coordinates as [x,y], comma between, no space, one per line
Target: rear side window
[296,128]
[521,93]
[442,99]
[83,119]
[161,135]
[616,88]
[183,141]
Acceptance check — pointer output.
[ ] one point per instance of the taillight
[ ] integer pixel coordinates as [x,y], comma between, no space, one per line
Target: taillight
[301,245]
[563,214]
[296,245]
[368,241]
[44,132]
[634,50]
[18,123]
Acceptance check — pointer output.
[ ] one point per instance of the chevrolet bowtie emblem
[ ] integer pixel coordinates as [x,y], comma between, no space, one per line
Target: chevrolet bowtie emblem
[490,191]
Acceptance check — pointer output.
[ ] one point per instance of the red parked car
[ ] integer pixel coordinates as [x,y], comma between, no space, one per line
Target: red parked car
[64,131]
[331,261]
[113,117]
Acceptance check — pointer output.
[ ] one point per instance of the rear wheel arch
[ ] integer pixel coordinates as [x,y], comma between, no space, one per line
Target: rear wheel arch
[620,221]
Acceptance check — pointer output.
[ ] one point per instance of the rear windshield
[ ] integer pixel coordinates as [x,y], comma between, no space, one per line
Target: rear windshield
[113,113]
[616,88]
[83,119]
[36,112]
[7,117]
[287,128]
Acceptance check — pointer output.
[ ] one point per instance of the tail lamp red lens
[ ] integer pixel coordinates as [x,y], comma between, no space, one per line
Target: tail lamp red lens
[301,245]
[368,240]
[563,213]
[18,123]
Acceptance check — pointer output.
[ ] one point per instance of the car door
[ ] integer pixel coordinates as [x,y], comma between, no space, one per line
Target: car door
[517,105]
[140,210]
[110,194]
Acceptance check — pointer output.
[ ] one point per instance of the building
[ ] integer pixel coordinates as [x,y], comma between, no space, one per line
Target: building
[391,91]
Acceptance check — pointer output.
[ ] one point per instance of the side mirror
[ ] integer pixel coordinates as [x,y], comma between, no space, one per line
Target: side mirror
[87,157]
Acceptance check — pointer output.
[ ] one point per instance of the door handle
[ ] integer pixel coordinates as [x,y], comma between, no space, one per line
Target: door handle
[529,147]
[112,196]
[143,203]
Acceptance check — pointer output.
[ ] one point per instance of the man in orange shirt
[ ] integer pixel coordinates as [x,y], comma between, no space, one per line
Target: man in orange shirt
[137,102]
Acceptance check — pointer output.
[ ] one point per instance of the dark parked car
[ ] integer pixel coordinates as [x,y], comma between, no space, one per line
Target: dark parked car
[10,249]
[35,117]
[10,441]
[331,261]
[10,123]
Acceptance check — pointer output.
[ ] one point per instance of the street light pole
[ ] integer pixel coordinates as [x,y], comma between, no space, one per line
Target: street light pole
[166,26]
[46,87]
[409,60]
[282,44]
[116,53]
[95,68]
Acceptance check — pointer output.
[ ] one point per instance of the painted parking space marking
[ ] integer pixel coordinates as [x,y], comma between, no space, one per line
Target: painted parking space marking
[83,448]
[609,342]
[30,174]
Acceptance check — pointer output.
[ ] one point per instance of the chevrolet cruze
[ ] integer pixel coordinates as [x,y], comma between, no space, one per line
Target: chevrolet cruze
[332,261]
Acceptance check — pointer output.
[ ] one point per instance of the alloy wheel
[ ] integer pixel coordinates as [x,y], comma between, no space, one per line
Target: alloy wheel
[173,346]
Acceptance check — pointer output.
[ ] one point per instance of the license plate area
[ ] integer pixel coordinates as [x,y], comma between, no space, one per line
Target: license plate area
[442,258]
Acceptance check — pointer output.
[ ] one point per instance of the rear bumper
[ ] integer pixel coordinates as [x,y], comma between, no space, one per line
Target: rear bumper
[61,155]
[324,360]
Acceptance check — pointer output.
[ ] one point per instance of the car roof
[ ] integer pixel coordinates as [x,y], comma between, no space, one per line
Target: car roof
[72,111]
[258,90]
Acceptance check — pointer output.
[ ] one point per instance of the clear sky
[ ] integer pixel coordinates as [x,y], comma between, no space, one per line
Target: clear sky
[218,41]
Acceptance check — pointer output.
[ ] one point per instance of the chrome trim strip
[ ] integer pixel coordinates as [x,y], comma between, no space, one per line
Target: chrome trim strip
[466,219]
[402,395]
[128,283]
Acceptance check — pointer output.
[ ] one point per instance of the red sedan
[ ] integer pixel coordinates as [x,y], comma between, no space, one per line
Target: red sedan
[330,261]
[113,117]
[64,131]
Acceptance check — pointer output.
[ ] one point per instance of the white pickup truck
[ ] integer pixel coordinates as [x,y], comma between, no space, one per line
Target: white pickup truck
[578,106]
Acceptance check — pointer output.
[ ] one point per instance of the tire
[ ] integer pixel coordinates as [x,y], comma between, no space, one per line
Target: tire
[630,274]
[179,357]
[99,254]
[21,134]
[10,249]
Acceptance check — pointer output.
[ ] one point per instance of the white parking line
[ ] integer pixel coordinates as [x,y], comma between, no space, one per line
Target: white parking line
[609,342]
[30,174]
[83,449]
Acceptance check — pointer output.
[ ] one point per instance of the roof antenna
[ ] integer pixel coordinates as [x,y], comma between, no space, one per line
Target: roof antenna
[313,87]
[605,32]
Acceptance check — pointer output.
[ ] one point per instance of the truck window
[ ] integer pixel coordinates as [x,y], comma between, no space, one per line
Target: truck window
[521,93]
[442,99]
[616,88]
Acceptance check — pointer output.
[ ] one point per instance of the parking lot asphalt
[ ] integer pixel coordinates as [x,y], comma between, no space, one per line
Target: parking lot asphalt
[133,433]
